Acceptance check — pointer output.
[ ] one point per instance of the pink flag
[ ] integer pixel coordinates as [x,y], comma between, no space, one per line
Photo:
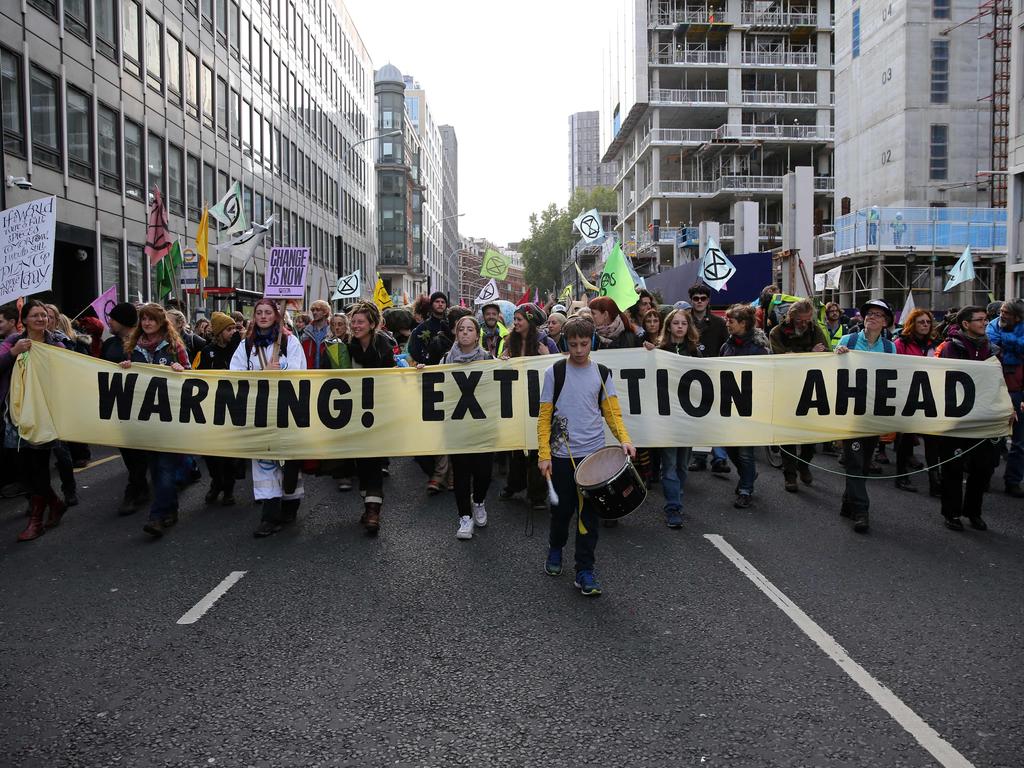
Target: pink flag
[104,303]
[158,241]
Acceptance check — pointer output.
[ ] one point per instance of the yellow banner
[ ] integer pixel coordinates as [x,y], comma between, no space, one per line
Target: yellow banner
[492,406]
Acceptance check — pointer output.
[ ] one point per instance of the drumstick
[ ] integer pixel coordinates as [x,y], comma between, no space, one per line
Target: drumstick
[552,496]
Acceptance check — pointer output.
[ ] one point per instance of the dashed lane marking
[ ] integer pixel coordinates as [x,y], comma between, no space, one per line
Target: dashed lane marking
[926,736]
[96,463]
[215,594]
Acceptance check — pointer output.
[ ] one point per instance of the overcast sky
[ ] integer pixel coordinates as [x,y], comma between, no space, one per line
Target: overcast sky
[506,76]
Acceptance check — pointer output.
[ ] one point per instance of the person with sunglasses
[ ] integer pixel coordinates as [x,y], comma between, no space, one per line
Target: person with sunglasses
[712,335]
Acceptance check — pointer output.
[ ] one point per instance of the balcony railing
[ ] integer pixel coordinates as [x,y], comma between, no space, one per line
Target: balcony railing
[688,56]
[725,184]
[671,96]
[780,19]
[780,97]
[946,230]
[780,58]
[764,231]
[801,132]
[688,15]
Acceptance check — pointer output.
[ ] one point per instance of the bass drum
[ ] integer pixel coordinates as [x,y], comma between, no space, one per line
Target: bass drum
[610,480]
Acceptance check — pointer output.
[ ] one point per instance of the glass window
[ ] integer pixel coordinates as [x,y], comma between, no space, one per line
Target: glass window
[224,276]
[209,190]
[246,127]
[193,7]
[134,181]
[45,118]
[257,136]
[855,42]
[233,27]
[222,186]
[208,14]
[236,118]
[110,263]
[222,107]
[174,67]
[940,71]
[244,34]
[130,37]
[257,69]
[76,18]
[106,28]
[136,273]
[10,96]
[268,150]
[175,180]
[108,146]
[941,9]
[192,84]
[222,21]
[247,201]
[257,207]
[49,7]
[154,54]
[155,156]
[207,96]
[79,124]
[938,163]
[192,180]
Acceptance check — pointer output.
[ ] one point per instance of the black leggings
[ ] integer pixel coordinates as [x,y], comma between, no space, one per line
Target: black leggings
[36,464]
[472,472]
[371,479]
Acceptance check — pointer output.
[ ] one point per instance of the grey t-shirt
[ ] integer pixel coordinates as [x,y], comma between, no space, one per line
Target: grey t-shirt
[578,411]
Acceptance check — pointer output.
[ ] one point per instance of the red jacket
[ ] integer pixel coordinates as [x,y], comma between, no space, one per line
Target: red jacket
[908,345]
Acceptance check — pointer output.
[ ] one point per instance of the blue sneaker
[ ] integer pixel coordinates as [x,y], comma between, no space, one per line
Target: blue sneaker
[586,582]
[553,567]
[674,518]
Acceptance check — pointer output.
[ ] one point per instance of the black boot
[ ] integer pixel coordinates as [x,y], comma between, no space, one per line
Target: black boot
[270,522]
[934,483]
[906,484]
[289,510]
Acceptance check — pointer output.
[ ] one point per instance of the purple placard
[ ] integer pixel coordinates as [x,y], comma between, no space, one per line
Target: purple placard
[286,273]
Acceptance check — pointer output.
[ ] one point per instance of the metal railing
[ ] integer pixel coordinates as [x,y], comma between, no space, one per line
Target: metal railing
[922,229]
[682,135]
[780,97]
[764,231]
[689,15]
[780,58]
[775,18]
[749,131]
[729,184]
[688,56]
[698,96]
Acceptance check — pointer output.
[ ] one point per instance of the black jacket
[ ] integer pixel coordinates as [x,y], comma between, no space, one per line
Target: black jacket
[712,334]
[215,358]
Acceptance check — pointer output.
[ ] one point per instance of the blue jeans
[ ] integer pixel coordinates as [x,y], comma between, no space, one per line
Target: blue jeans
[162,470]
[674,465]
[743,458]
[716,454]
[1015,461]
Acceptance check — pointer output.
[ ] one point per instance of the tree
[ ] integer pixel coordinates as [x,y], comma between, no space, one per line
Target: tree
[552,236]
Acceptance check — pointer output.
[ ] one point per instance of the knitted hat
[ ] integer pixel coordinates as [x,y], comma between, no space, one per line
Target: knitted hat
[218,322]
[126,314]
[438,295]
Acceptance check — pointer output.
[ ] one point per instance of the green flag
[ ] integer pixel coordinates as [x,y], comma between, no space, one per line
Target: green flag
[617,281]
[494,265]
[166,268]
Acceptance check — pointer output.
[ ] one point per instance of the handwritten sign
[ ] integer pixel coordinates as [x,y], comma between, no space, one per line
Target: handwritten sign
[286,273]
[27,234]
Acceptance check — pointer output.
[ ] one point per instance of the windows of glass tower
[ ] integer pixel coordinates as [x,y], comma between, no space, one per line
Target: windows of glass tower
[45,118]
[10,96]
[79,121]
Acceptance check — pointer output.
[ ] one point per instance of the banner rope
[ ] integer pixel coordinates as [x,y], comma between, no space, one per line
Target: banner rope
[890,477]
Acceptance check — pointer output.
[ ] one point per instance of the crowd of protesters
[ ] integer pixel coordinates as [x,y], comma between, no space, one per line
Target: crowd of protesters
[430,332]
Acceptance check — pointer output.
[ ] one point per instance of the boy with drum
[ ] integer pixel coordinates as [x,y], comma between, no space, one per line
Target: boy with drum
[577,393]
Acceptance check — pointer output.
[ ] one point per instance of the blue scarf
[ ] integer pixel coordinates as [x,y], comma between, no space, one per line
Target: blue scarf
[265,337]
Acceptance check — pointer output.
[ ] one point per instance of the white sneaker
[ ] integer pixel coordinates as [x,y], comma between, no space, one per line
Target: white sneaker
[480,514]
[465,528]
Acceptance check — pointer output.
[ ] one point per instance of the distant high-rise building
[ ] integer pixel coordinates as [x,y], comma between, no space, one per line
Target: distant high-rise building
[450,207]
[432,177]
[586,171]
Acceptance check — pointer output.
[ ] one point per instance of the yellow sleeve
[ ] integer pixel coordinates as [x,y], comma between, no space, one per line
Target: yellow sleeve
[544,432]
[613,417]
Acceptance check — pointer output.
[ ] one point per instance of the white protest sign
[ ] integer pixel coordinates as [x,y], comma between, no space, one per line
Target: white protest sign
[27,234]
[286,273]
[715,269]
[349,286]
[488,293]
[589,225]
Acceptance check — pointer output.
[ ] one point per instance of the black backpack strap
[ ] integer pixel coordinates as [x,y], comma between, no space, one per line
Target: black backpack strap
[559,374]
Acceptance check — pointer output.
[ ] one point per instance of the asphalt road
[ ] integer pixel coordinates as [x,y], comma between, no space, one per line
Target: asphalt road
[416,649]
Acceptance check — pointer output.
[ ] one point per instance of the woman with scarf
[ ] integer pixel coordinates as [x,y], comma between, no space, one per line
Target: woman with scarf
[918,337]
[155,341]
[35,459]
[269,347]
[679,337]
[216,356]
[471,471]
[614,328]
[524,340]
[369,349]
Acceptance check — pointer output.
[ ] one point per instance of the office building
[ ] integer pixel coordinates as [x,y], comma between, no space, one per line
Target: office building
[707,105]
[586,171]
[450,206]
[432,176]
[103,101]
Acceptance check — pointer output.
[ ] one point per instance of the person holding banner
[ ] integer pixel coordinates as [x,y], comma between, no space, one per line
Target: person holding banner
[269,347]
[918,339]
[1006,331]
[314,336]
[155,341]
[216,356]
[556,321]
[570,427]
[679,338]
[471,471]
[493,331]
[713,334]
[369,349]
[432,337]
[614,328]
[857,453]
[35,459]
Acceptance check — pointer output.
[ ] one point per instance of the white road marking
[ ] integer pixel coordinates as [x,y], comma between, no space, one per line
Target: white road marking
[214,595]
[97,463]
[926,736]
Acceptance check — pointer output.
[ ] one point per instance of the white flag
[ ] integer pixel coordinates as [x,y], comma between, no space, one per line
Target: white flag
[715,268]
[588,224]
[832,277]
[962,271]
[908,306]
[819,281]
[230,212]
[349,286]
[488,293]
[244,246]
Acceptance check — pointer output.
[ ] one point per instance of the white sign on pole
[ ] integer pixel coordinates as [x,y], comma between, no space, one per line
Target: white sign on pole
[189,269]
[27,234]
